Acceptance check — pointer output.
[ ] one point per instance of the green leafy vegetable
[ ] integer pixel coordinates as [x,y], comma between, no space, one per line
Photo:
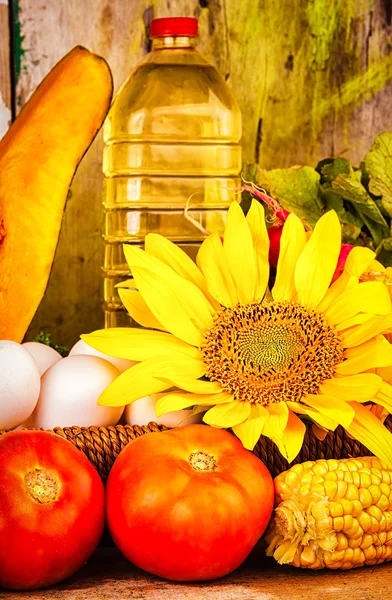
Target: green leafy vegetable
[362,197]
[297,189]
[378,165]
[44,338]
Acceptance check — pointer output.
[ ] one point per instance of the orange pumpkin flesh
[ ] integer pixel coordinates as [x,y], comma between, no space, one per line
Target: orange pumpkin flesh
[38,157]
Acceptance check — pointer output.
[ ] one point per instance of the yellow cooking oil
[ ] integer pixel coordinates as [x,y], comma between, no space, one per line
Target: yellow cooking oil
[172,154]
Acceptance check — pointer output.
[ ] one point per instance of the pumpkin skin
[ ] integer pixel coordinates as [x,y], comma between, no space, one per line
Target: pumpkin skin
[38,157]
[188,504]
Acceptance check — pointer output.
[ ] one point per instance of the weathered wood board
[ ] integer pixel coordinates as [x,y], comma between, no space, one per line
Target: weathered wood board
[109,576]
[313,79]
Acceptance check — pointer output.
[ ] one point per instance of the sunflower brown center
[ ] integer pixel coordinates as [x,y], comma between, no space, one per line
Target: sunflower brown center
[271,352]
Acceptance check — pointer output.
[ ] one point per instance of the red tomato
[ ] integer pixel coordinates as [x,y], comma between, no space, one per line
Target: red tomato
[51,509]
[188,504]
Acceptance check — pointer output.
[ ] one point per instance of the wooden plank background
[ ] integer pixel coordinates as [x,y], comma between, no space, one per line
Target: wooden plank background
[313,79]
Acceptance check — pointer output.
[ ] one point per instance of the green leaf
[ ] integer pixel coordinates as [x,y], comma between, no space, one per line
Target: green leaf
[296,189]
[352,190]
[352,223]
[378,165]
[330,170]
[44,338]
[378,232]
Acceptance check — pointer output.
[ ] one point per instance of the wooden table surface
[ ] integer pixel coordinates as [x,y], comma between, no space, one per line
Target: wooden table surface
[108,576]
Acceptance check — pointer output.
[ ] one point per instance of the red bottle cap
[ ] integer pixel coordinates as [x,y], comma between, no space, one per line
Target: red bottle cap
[174,26]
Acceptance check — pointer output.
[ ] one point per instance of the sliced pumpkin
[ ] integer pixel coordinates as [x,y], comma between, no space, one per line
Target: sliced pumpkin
[38,158]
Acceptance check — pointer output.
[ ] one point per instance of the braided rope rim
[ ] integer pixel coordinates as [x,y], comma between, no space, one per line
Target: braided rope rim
[102,445]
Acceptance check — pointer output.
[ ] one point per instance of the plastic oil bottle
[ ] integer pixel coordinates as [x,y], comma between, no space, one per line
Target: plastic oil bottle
[172,157]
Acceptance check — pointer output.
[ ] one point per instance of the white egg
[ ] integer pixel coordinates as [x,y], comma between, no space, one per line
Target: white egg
[19,384]
[44,355]
[142,411]
[122,364]
[69,392]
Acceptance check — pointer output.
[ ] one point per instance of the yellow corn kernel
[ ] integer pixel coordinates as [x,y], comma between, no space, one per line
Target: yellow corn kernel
[356,479]
[355,542]
[375,492]
[383,503]
[330,487]
[365,497]
[335,509]
[352,492]
[365,521]
[320,468]
[304,489]
[308,556]
[375,512]
[338,523]
[293,479]
[357,508]
[347,506]
[355,531]
[348,521]
[365,478]
[338,514]
[382,538]
[318,488]
[367,541]
[370,553]
[342,541]
[342,489]
[348,477]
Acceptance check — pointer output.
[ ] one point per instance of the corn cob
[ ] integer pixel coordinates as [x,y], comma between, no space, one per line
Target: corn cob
[332,513]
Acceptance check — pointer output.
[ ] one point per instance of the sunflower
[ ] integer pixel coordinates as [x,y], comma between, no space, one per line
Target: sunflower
[256,360]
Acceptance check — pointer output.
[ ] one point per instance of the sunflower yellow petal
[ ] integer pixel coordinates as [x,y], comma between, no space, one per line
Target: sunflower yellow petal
[138,309]
[317,262]
[189,295]
[256,222]
[385,373]
[239,253]
[179,401]
[227,415]
[167,307]
[379,411]
[358,261]
[135,383]
[249,431]
[370,355]
[314,415]
[188,384]
[353,321]
[213,264]
[370,432]
[363,333]
[322,420]
[175,258]
[319,432]
[277,420]
[330,407]
[361,387]
[368,297]
[384,396]
[344,282]
[138,344]
[292,244]
[290,443]
[139,381]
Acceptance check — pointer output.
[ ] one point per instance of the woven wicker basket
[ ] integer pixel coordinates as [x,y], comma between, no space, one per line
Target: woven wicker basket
[102,445]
